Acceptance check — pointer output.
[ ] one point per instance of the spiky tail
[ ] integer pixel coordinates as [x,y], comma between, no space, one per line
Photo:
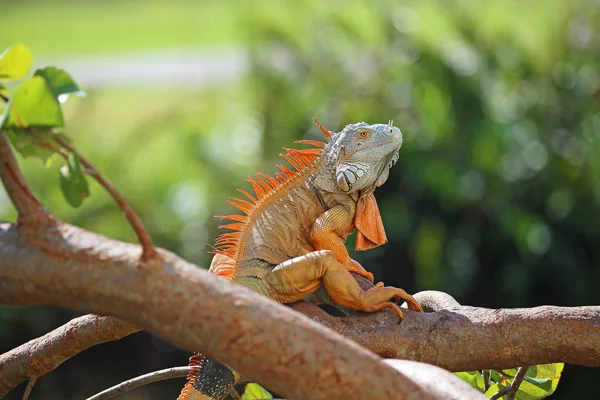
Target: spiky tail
[209,380]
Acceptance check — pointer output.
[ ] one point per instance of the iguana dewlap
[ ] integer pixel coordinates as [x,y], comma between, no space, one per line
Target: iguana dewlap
[290,239]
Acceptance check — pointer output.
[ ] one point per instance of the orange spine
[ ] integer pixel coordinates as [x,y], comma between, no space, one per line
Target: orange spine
[265,186]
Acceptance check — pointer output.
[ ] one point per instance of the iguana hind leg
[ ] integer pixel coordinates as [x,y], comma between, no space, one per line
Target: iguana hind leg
[299,277]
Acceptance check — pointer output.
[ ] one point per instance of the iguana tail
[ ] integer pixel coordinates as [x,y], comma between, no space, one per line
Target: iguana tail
[209,380]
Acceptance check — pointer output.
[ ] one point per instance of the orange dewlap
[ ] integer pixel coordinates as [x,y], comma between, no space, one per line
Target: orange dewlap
[369,224]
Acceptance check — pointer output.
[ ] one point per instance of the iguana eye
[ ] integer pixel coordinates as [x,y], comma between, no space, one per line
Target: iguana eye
[363,134]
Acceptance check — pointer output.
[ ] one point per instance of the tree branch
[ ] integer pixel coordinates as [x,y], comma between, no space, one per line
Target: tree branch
[42,355]
[514,386]
[29,208]
[148,250]
[433,300]
[459,338]
[500,393]
[29,388]
[156,376]
[436,379]
[194,310]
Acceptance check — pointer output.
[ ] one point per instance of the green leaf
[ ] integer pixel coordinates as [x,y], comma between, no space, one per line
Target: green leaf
[15,62]
[473,378]
[495,376]
[529,391]
[510,372]
[540,382]
[72,182]
[254,391]
[59,81]
[495,388]
[29,145]
[33,104]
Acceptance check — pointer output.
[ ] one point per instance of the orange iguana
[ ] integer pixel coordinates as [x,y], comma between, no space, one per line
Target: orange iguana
[290,240]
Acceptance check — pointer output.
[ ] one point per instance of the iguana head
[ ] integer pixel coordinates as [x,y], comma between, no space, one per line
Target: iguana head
[358,158]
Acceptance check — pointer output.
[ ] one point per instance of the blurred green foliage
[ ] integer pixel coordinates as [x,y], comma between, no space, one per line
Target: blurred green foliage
[497,190]
[538,381]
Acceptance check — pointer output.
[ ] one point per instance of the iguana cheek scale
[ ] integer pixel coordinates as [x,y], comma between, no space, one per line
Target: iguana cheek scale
[289,241]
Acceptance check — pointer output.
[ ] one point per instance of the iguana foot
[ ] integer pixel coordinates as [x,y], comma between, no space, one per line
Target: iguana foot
[379,297]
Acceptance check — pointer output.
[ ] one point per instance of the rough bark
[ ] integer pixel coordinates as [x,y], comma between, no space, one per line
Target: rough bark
[464,338]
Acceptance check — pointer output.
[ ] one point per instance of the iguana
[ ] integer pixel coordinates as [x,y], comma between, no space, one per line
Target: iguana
[290,239]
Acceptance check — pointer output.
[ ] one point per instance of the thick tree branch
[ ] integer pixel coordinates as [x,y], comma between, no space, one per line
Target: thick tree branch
[464,338]
[194,310]
[29,208]
[42,355]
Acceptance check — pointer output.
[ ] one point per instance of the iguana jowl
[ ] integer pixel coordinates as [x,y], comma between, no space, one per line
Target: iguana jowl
[290,240]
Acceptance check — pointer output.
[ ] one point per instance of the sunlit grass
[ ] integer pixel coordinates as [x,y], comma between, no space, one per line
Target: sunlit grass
[76,27]
[54,27]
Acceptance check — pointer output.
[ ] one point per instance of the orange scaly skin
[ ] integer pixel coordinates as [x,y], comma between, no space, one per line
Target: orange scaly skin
[289,241]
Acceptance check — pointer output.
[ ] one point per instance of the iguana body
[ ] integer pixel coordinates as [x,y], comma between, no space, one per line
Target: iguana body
[290,241]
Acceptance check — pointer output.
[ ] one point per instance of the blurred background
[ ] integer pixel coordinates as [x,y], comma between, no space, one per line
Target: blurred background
[495,198]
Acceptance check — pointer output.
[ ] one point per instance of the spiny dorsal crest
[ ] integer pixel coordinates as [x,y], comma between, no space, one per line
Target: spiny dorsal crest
[264,187]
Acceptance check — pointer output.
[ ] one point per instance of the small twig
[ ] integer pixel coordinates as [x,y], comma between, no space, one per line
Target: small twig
[3,97]
[500,393]
[55,149]
[511,390]
[29,387]
[486,380]
[148,250]
[28,206]
[514,387]
[156,376]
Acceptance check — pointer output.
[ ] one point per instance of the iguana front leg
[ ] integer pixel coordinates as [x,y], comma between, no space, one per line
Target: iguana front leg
[299,277]
[329,232]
